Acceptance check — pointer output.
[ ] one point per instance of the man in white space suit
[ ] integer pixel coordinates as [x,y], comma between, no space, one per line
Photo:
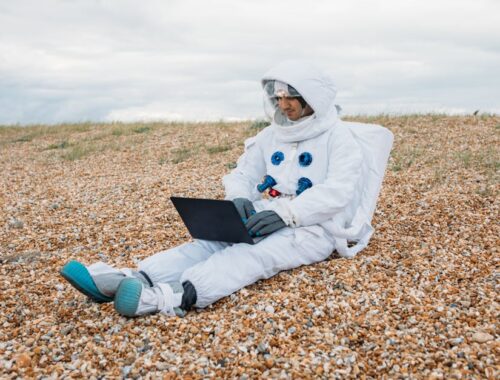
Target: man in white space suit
[322,175]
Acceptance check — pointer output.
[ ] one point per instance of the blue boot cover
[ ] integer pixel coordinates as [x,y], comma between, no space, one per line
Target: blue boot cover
[128,296]
[77,275]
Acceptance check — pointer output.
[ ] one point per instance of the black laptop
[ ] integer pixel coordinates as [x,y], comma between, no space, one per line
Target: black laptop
[212,219]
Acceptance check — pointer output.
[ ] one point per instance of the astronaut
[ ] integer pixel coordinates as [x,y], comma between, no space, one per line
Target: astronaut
[320,176]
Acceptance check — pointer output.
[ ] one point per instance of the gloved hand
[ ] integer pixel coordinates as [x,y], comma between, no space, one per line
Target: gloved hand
[245,208]
[264,223]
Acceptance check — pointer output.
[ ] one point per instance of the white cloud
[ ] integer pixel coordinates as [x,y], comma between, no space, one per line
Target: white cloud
[150,112]
[106,60]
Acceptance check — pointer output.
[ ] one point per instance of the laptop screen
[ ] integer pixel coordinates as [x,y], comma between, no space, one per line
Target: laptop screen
[212,219]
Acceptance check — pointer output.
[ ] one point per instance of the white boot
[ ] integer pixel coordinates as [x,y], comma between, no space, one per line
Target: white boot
[133,298]
[107,278]
[99,281]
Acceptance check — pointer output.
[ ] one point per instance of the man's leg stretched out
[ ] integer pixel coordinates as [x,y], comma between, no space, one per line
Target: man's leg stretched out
[100,281]
[225,271]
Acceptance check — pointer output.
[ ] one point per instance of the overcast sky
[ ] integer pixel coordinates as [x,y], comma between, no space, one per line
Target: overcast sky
[84,60]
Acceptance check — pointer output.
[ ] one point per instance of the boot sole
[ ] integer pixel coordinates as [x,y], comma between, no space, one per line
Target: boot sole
[77,275]
[127,297]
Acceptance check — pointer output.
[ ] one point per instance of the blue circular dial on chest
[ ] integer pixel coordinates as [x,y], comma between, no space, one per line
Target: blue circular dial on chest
[277,157]
[305,159]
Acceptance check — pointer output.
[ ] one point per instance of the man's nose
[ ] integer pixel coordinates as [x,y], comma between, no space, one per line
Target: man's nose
[283,102]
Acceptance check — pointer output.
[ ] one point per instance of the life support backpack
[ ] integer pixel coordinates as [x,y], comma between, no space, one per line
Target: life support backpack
[376,143]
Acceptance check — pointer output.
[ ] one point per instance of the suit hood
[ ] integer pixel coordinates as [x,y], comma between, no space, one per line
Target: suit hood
[315,85]
[318,90]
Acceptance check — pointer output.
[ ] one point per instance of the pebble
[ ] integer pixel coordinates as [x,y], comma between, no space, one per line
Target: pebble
[262,348]
[351,359]
[29,342]
[23,360]
[318,313]
[67,329]
[269,362]
[489,372]
[102,256]
[368,346]
[243,348]
[7,364]
[481,337]
[456,341]
[16,223]
[115,329]
[126,370]
[269,309]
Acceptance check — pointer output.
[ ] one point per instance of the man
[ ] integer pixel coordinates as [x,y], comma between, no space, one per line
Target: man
[322,177]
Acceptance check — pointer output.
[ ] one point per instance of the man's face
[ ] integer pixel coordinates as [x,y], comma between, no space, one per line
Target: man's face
[291,107]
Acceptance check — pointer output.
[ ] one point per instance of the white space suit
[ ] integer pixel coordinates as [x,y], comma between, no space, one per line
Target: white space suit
[343,164]
[328,214]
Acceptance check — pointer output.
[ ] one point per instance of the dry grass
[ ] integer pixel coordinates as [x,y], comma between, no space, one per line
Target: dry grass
[420,301]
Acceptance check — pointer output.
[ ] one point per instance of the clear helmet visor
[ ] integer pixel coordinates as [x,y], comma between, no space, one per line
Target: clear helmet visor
[270,106]
[273,90]
[278,89]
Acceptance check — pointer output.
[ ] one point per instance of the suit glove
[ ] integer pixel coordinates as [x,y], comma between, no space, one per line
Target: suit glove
[245,208]
[264,223]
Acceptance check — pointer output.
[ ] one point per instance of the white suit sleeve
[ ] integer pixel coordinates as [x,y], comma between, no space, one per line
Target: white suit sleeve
[322,201]
[251,167]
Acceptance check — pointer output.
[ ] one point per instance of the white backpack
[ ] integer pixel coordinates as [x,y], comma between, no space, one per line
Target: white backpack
[376,143]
